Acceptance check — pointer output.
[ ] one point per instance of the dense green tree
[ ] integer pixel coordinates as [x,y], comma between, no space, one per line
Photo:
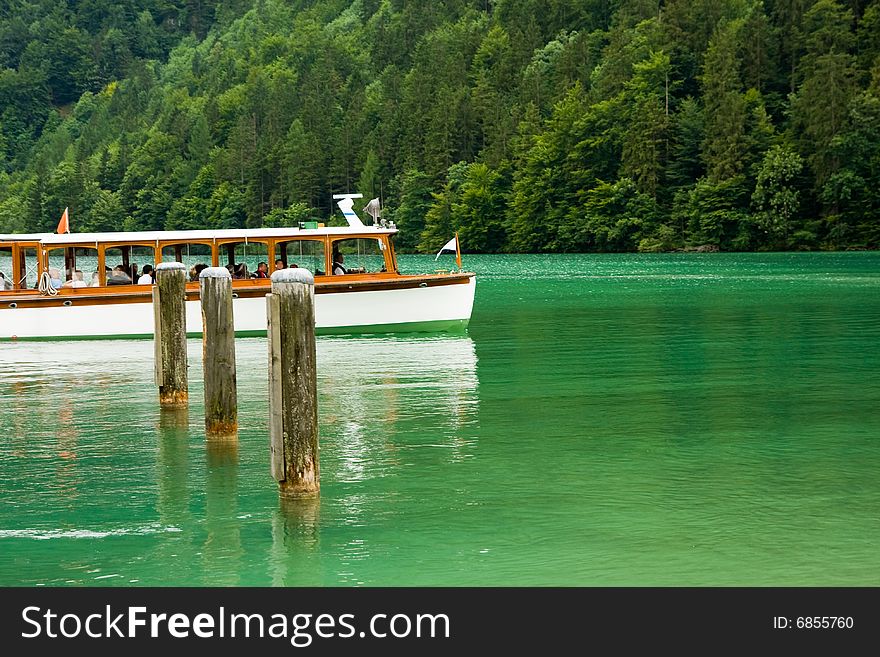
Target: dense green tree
[820,106]
[106,213]
[716,215]
[495,94]
[547,181]
[688,131]
[645,142]
[852,190]
[523,125]
[612,217]
[724,145]
[413,191]
[788,17]
[776,197]
[868,39]
[478,214]
[439,220]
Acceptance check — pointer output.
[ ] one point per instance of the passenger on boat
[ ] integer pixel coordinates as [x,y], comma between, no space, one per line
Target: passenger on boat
[338,268]
[96,280]
[55,278]
[279,264]
[118,276]
[293,265]
[147,277]
[134,272]
[240,272]
[262,271]
[194,272]
[76,281]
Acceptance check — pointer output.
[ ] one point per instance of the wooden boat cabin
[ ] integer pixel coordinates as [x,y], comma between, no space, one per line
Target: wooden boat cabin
[71,262]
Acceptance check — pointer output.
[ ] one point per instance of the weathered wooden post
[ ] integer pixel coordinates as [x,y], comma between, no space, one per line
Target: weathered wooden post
[169,311]
[218,353]
[293,392]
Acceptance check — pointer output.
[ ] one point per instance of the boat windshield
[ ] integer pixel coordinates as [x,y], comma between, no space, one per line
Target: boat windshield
[361,255]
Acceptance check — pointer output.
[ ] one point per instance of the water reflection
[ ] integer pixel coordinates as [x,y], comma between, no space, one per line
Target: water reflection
[295,555]
[381,397]
[222,551]
[173,498]
[171,471]
[387,407]
[131,494]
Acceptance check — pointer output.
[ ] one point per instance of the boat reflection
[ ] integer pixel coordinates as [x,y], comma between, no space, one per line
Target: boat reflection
[380,397]
[388,408]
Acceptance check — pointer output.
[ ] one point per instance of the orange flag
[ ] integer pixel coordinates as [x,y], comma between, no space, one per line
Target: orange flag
[63,225]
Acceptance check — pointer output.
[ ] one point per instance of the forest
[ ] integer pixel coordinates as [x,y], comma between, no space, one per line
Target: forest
[524,125]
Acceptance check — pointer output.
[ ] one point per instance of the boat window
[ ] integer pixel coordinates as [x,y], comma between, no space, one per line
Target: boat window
[6,274]
[28,272]
[194,255]
[308,254]
[243,258]
[123,265]
[361,255]
[73,266]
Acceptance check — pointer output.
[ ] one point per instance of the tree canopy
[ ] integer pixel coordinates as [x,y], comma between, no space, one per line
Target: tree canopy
[561,125]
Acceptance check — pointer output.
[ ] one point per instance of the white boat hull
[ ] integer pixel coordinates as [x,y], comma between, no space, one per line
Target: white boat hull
[432,308]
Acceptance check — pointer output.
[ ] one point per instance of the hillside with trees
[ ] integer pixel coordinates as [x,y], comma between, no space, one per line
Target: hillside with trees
[526,126]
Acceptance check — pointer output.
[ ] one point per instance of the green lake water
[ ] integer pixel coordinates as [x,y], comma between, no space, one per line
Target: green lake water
[607,420]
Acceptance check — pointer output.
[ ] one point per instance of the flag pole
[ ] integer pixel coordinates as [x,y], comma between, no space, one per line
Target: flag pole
[457,252]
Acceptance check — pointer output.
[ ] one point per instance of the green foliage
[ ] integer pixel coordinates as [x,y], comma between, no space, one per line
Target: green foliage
[291,216]
[439,223]
[725,142]
[612,217]
[688,131]
[478,214]
[522,125]
[645,97]
[413,191]
[716,213]
[775,201]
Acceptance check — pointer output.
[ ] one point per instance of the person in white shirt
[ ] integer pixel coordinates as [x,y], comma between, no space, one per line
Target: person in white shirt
[76,281]
[338,266]
[146,277]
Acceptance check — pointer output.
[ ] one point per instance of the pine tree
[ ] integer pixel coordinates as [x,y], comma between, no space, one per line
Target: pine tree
[725,144]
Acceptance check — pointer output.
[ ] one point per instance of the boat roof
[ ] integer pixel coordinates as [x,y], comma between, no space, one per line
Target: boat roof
[193,235]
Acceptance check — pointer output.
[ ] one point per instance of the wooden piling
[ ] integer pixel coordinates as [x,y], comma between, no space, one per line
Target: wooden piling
[293,393]
[218,353]
[169,302]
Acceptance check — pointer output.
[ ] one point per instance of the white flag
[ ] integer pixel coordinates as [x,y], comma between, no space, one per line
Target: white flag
[449,247]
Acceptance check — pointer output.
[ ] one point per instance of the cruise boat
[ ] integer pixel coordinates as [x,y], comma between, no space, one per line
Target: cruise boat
[92,285]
